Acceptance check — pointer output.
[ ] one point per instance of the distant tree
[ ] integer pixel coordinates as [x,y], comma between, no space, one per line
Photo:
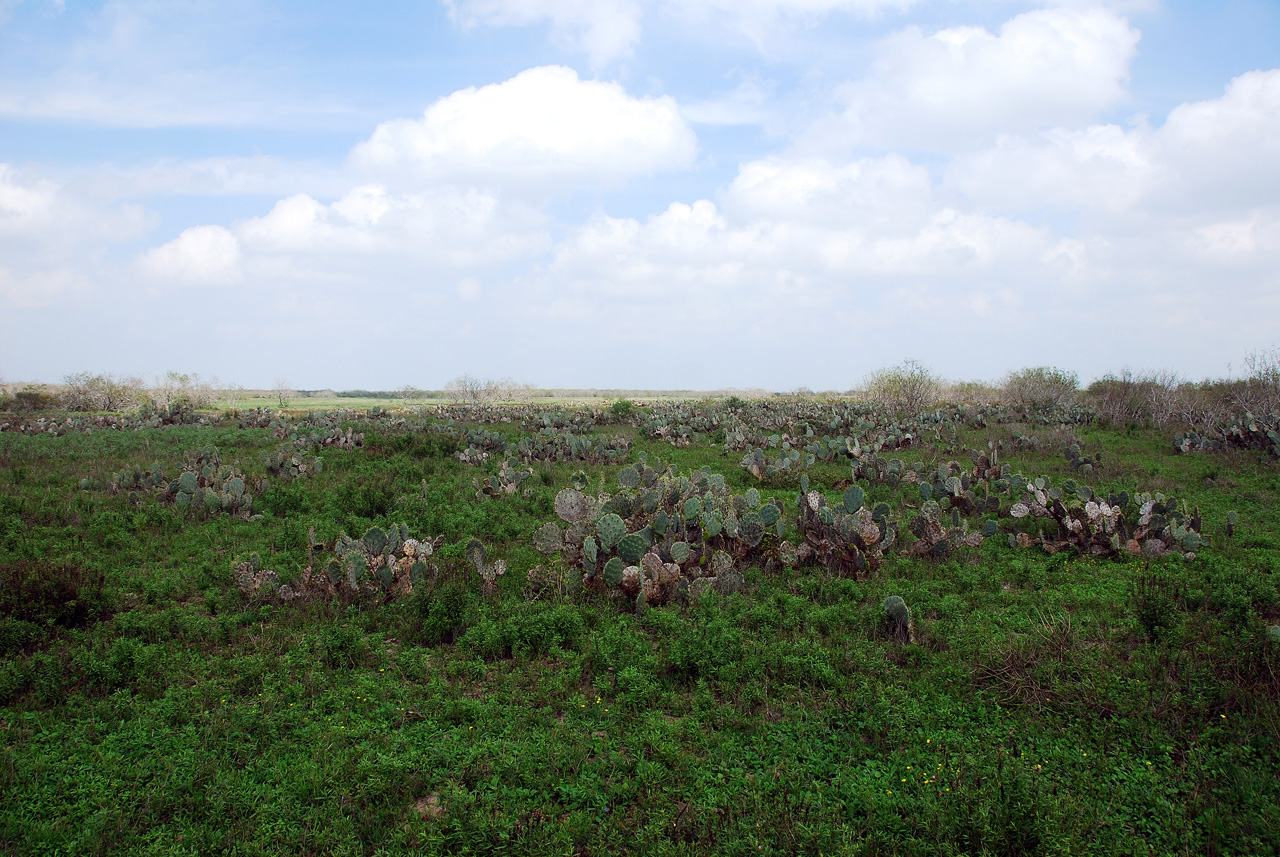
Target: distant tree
[233,394]
[465,388]
[1039,387]
[409,393]
[283,391]
[906,390]
[1260,392]
[84,391]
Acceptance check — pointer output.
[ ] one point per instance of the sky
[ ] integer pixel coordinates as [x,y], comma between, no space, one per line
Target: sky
[700,194]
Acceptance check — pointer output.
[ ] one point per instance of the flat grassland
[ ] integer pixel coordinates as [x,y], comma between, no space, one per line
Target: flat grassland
[1041,704]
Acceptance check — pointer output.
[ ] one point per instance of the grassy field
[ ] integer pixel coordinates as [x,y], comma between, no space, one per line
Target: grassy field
[1049,704]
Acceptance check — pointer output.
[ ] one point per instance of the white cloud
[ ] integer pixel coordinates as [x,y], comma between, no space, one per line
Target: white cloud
[200,255]
[50,213]
[814,190]
[1208,159]
[605,30]
[963,85]
[806,221]
[26,203]
[542,127]
[445,226]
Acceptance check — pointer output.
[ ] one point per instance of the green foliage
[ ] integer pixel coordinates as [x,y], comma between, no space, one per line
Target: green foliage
[1055,698]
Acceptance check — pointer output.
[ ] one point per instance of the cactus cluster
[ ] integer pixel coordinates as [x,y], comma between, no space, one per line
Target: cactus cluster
[848,539]
[489,571]
[878,470]
[898,616]
[552,444]
[291,460]
[254,581]
[660,535]
[503,484]
[381,563]
[207,486]
[935,538]
[1247,432]
[765,467]
[1081,462]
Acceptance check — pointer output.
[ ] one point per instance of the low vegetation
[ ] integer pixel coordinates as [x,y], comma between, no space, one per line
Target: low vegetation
[890,624]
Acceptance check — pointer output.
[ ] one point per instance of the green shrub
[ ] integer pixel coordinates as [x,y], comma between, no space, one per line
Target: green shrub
[1041,387]
[60,593]
[443,614]
[905,390]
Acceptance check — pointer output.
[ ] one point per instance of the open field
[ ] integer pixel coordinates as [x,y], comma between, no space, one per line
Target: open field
[184,670]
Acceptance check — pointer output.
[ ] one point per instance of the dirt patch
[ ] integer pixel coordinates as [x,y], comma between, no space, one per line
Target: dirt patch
[429,806]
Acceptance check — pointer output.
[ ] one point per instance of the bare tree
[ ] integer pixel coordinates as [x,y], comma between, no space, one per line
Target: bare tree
[1260,393]
[283,391]
[905,390]
[465,388]
[1040,387]
[409,393]
[86,392]
[234,394]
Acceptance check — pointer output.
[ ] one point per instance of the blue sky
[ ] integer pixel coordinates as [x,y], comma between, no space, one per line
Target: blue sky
[633,193]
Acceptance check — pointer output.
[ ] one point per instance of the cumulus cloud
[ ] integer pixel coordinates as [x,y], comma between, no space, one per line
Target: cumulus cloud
[47,212]
[542,127]
[446,226]
[200,255]
[1209,158]
[959,86]
[796,222]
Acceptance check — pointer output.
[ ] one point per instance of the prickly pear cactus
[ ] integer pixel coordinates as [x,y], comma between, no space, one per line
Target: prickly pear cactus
[899,617]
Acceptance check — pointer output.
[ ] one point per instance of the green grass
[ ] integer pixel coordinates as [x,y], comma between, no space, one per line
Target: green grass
[1051,705]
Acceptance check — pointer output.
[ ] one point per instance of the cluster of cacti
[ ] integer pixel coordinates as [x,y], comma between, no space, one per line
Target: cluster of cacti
[507,481]
[963,490]
[137,479]
[552,444]
[660,535]
[489,571]
[251,579]
[898,616]
[482,443]
[382,563]
[764,467]
[1079,461]
[1247,432]
[878,470]
[1098,527]
[583,420]
[207,486]
[934,538]
[848,539]
[291,460]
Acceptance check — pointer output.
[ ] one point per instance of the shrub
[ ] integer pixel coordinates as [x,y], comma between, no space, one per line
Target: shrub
[1259,394]
[65,594]
[1042,387]
[33,398]
[86,392]
[621,410]
[905,390]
